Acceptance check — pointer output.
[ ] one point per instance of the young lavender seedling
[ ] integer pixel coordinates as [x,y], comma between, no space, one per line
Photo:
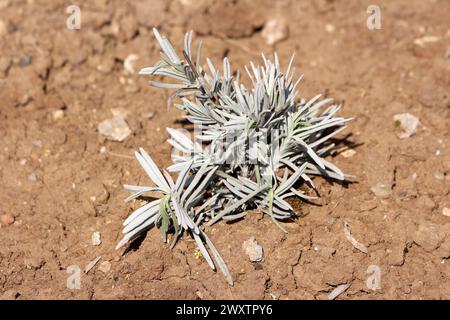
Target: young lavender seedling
[258,145]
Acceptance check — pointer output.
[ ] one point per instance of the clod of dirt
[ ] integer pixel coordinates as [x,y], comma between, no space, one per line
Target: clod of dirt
[381,190]
[105,266]
[407,123]
[446,212]
[129,63]
[96,238]
[7,219]
[253,250]
[115,129]
[91,264]
[429,236]
[338,291]
[275,30]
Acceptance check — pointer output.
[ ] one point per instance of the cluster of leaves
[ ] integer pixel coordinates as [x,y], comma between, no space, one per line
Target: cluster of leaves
[252,150]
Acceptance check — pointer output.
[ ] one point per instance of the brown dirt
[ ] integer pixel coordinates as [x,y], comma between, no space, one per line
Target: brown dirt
[376,74]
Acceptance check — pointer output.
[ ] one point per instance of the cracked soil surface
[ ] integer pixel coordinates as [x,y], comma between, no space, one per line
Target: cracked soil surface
[61,180]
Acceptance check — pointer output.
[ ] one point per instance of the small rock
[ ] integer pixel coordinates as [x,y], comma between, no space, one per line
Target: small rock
[7,219]
[37,143]
[427,39]
[24,61]
[105,266]
[330,28]
[24,100]
[275,30]
[381,190]
[96,238]
[34,263]
[408,123]
[32,177]
[199,295]
[115,129]
[129,63]
[439,175]
[58,114]
[348,153]
[446,212]
[106,66]
[253,250]
[148,115]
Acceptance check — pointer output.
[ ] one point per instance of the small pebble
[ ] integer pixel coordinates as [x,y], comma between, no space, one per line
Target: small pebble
[330,28]
[348,153]
[37,143]
[115,129]
[407,123]
[96,238]
[24,61]
[439,175]
[275,30]
[129,63]
[32,177]
[253,250]
[381,190]
[148,115]
[427,39]
[7,219]
[446,212]
[58,114]
[105,266]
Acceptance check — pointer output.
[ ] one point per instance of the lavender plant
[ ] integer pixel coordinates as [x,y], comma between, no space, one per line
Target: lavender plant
[251,148]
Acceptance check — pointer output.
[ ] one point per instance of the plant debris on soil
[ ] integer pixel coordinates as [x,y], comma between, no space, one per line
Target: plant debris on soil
[76,189]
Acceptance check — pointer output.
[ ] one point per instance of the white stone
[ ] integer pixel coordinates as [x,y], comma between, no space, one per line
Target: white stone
[275,30]
[115,129]
[408,124]
[96,238]
[253,250]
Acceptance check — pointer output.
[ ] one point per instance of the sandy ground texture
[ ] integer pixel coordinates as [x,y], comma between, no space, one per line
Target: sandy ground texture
[61,180]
